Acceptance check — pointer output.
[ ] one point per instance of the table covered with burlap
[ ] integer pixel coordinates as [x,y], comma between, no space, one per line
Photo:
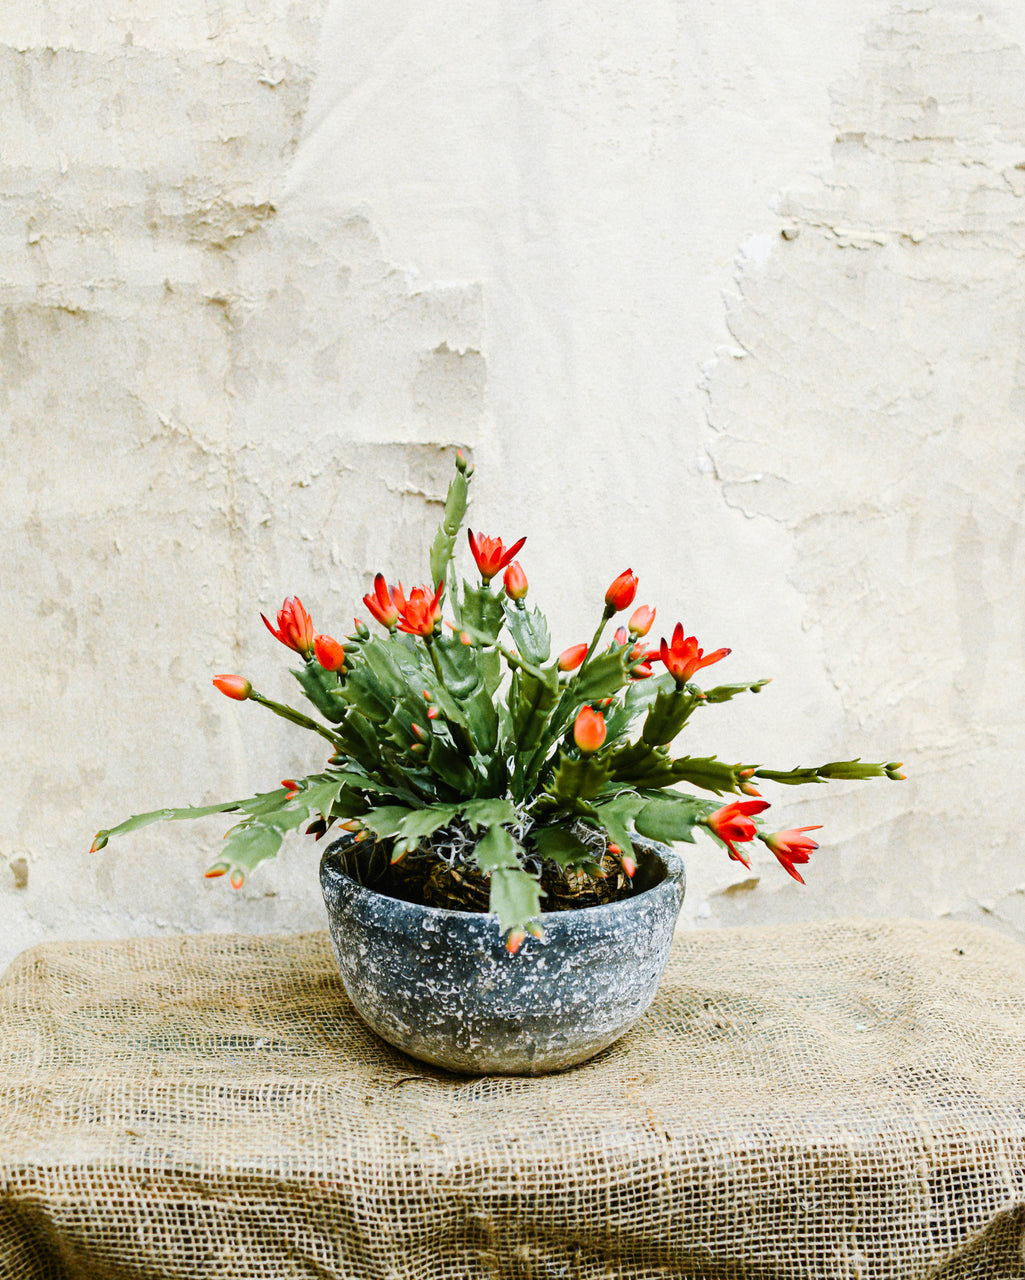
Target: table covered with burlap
[814,1101]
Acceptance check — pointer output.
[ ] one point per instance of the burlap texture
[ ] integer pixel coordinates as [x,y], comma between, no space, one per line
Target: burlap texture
[817,1101]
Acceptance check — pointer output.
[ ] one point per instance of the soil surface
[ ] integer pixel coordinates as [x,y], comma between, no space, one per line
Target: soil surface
[433,883]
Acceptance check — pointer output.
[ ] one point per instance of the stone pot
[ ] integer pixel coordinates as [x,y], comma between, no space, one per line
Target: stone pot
[440,985]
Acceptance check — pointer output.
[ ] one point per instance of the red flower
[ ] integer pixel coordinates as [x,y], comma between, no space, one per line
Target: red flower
[792,846]
[515,581]
[683,657]
[732,822]
[330,653]
[295,627]
[237,687]
[589,730]
[621,592]
[422,611]
[386,604]
[491,555]
[572,657]
[640,620]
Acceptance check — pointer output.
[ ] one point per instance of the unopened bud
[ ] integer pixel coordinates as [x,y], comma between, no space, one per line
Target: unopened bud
[640,620]
[462,466]
[237,879]
[514,941]
[362,630]
[218,869]
[99,842]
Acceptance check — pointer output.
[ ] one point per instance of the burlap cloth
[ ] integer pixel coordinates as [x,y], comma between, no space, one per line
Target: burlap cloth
[829,1100]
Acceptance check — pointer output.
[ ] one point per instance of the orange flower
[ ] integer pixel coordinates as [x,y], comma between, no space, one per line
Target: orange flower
[792,846]
[386,604]
[640,620]
[732,822]
[422,611]
[589,730]
[237,687]
[683,657]
[621,592]
[515,581]
[295,627]
[491,555]
[572,657]
[329,653]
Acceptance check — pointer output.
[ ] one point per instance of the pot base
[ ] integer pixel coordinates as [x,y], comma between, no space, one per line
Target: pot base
[441,986]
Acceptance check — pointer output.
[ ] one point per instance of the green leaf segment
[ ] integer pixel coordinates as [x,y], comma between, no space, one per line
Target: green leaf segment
[469,733]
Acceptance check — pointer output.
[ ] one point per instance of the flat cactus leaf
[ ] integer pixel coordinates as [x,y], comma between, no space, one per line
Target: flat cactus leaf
[529,631]
[487,813]
[603,676]
[497,849]
[667,715]
[615,815]
[723,692]
[708,773]
[445,539]
[482,612]
[530,701]
[670,818]
[515,898]
[323,690]
[641,765]
[561,846]
[578,779]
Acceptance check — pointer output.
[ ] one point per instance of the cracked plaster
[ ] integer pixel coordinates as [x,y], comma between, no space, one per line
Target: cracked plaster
[262,261]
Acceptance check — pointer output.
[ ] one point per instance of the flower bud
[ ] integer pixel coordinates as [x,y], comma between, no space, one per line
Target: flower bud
[218,869]
[589,730]
[237,687]
[640,620]
[237,879]
[572,657]
[462,466]
[621,592]
[620,636]
[515,581]
[361,628]
[514,941]
[329,653]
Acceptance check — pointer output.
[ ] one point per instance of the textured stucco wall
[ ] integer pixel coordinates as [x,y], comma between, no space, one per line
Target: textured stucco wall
[738,304]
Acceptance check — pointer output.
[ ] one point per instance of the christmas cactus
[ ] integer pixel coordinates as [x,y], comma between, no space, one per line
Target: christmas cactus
[469,753]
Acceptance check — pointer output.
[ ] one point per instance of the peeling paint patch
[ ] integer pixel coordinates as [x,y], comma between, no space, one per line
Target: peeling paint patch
[875,407]
[207,402]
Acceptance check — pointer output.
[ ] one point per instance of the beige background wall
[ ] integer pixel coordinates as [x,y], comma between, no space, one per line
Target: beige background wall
[736,303]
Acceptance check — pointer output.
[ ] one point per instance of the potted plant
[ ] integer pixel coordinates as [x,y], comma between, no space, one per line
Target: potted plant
[503,897]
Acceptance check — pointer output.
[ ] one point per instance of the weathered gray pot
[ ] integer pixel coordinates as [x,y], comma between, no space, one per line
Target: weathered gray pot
[441,986]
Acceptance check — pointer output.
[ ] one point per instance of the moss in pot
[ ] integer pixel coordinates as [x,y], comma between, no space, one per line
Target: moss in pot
[483,784]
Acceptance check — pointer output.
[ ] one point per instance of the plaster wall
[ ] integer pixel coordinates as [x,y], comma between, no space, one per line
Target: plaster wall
[738,304]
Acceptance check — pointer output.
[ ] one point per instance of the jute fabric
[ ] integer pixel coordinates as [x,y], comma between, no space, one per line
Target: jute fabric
[842,1100]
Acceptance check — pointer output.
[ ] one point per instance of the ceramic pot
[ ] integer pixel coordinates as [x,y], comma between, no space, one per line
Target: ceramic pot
[440,985]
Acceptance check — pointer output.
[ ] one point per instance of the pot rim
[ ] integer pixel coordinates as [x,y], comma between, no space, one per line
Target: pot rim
[673,863]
